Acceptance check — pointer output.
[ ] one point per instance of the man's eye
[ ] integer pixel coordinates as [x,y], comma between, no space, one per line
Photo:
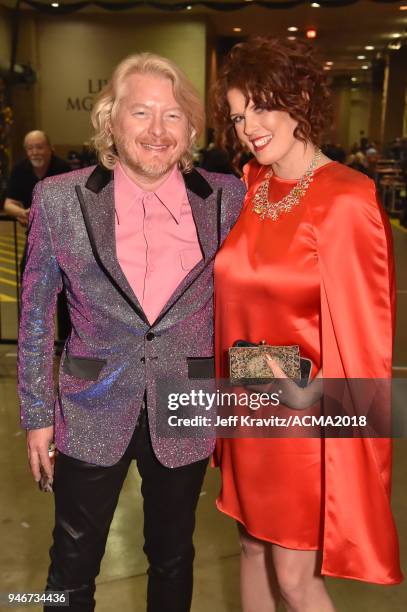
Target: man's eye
[174,116]
[139,113]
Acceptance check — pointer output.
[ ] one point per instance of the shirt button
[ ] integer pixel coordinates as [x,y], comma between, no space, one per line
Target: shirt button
[150,336]
[143,360]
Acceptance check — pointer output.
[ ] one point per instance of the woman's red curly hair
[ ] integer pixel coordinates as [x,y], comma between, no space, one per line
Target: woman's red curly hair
[276,75]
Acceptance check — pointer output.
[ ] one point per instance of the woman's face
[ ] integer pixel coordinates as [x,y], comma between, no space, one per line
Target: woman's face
[269,135]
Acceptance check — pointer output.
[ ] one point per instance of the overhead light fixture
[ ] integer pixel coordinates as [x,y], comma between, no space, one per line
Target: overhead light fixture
[292,29]
[327,68]
[365,67]
[361,57]
[311,33]
[403,7]
[189,7]
[237,29]
[315,5]
[329,63]
[353,79]
[369,48]
[55,4]
[395,46]
[395,35]
[291,38]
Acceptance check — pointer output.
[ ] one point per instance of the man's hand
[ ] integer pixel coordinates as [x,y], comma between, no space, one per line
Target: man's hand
[38,441]
[15,209]
[22,217]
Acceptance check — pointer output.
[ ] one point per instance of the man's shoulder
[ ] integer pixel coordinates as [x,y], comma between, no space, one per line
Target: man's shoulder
[67,180]
[231,186]
[22,167]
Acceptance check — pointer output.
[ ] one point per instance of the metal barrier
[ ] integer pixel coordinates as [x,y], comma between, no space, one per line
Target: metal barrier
[6,219]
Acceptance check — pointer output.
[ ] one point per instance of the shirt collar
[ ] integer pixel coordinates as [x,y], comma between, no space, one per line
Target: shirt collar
[172,193]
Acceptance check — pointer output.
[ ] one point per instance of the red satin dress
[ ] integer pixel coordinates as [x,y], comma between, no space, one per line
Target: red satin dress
[322,277]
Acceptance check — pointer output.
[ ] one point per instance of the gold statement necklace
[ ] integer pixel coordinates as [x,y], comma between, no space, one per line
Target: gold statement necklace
[272,210]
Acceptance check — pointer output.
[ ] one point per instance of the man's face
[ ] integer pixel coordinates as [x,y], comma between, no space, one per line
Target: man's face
[149,128]
[38,150]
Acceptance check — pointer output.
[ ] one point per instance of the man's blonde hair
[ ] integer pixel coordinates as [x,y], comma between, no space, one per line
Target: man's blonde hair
[107,102]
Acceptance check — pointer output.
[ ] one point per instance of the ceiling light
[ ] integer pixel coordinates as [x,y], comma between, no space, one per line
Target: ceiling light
[369,48]
[315,5]
[353,79]
[361,57]
[292,29]
[327,68]
[403,7]
[329,63]
[189,7]
[237,29]
[55,4]
[365,67]
[396,35]
[311,33]
[291,38]
[395,46]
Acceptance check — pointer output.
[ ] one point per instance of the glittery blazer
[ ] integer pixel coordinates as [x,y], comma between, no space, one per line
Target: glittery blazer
[113,355]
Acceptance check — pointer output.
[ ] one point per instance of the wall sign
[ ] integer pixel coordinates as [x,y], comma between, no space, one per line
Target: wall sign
[85,103]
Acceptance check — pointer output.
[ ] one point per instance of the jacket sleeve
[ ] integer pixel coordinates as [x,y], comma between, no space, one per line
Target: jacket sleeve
[42,282]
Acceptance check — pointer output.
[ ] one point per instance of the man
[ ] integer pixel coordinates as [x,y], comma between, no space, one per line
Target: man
[133,242]
[40,163]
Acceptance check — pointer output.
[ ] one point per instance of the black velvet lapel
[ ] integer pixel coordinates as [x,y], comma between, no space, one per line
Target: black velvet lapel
[99,178]
[196,183]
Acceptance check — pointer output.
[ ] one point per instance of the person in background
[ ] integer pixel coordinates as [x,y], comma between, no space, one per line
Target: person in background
[309,262]
[40,163]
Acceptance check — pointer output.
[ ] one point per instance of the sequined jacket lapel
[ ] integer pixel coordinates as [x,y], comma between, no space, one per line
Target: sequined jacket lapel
[97,204]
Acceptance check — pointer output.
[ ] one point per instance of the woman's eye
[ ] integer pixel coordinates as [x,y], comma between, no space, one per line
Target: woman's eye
[237,119]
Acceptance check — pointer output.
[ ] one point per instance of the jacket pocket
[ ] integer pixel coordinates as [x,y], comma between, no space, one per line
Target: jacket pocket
[189,258]
[201,367]
[87,368]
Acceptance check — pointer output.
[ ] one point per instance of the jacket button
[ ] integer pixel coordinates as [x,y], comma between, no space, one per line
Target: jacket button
[150,336]
[143,360]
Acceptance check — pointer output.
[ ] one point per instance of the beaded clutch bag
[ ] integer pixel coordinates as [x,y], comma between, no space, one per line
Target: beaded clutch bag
[248,364]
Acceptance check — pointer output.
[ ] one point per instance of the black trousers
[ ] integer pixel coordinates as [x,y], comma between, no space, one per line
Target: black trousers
[86,496]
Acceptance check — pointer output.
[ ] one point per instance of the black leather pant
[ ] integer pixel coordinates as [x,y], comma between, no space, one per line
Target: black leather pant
[86,496]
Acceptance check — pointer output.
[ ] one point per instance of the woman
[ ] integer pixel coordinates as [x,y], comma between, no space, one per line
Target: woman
[308,262]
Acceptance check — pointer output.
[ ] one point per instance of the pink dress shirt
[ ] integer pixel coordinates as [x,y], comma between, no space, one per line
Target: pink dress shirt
[156,240]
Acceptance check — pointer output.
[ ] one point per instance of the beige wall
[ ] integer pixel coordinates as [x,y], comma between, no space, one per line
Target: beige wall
[351,114]
[360,101]
[76,53]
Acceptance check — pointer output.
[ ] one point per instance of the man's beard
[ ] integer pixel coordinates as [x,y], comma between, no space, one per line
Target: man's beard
[151,171]
[38,163]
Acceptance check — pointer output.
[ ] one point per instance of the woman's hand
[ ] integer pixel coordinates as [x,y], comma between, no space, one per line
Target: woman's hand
[291,395]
